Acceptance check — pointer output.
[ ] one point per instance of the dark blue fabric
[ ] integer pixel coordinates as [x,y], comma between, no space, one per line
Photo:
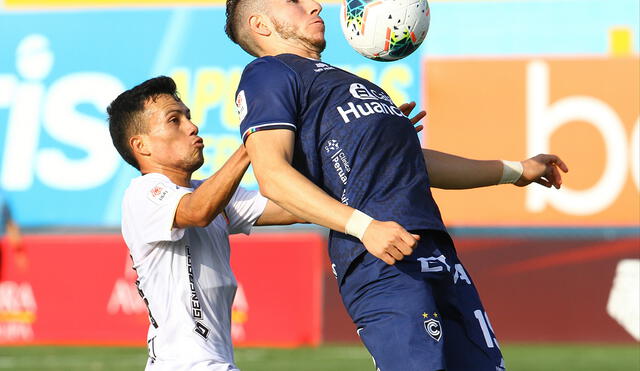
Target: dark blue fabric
[395,307]
[351,140]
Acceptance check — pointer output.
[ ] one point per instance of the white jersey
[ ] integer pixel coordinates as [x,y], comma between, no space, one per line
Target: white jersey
[184,275]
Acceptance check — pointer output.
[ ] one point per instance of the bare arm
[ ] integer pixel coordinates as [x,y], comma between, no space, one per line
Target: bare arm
[271,152]
[199,208]
[448,171]
[276,215]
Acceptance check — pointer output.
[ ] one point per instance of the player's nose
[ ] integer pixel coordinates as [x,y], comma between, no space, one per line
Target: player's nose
[193,128]
[315,8]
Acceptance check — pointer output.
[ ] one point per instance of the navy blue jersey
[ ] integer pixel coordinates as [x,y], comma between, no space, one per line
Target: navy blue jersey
[350,139]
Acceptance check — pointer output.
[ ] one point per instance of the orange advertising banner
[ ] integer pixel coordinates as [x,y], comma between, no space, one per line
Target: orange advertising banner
[585,109]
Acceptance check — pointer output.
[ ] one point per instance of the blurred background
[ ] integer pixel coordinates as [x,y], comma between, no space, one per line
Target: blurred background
[557,269]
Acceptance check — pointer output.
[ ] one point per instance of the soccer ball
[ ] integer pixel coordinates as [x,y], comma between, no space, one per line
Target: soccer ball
[385,30]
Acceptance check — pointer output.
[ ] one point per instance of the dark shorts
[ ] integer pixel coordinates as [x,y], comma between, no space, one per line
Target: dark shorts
[421,314]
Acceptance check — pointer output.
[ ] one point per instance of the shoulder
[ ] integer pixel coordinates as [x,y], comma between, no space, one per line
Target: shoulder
[271,67]
[154,187]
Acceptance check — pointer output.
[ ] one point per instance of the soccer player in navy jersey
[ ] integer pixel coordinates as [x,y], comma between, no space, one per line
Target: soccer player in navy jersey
[333,149]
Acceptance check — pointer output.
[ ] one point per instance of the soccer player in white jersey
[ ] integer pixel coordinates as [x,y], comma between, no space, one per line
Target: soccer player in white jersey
[177,228]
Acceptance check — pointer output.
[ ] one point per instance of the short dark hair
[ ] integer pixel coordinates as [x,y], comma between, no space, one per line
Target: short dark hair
[125,113]
[234,13]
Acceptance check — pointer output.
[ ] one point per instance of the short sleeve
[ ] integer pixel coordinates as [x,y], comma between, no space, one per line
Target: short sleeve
[244,208]
[149,207]
[267,97]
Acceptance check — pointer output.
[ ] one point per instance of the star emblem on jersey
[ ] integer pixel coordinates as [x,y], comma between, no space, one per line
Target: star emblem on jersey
[332,145]
[433,328]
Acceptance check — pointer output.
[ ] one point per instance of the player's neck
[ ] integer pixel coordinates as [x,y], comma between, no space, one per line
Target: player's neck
[176,176]
[290,48]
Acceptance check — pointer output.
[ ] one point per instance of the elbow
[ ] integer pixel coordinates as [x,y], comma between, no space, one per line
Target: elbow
[268,187]
[201,223]
[199,219]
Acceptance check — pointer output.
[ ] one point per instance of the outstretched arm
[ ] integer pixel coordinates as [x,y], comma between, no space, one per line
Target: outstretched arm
[448,171]
[271,152]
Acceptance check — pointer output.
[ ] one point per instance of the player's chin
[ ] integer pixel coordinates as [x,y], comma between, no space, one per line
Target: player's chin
[196,162]
[319,44]
[195,166]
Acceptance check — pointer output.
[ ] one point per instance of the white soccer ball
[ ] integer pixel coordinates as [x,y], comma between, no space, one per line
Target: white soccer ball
[385,30]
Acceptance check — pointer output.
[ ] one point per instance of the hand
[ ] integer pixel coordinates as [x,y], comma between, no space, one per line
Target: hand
[406,110]
[389,241]
[542,169]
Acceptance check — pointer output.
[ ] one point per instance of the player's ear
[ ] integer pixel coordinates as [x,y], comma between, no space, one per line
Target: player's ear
[139,145]
[259,24]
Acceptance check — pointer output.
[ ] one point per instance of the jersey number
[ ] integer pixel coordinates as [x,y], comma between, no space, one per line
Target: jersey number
[485,326]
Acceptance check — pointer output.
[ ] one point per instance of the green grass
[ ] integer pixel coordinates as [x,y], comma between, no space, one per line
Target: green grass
[520,357]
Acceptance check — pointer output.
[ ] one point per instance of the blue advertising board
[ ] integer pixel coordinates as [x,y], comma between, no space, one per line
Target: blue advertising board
[60,69]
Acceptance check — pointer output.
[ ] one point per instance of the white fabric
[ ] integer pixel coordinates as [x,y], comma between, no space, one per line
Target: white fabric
[358,224]
[184,274]
[511,172]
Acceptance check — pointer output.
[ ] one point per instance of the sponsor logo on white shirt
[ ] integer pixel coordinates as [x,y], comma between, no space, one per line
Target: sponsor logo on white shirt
[158,193]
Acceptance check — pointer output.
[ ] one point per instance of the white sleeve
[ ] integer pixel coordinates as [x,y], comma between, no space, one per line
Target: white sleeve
[244,208]
[149,209]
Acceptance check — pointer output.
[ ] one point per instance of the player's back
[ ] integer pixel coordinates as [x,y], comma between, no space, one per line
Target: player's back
[351,140]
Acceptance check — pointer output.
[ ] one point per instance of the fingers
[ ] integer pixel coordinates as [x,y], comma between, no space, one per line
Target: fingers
[419,128]
[406,108]
[414,120]
[556,178]
[562,166]
[404,246]
[387,259]
[543,182]
[547,170]
[389,241]
[395,253]
[559,163]
[552,173]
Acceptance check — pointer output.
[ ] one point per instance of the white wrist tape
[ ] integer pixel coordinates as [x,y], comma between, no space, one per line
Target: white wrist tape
[511,172]
[357,224]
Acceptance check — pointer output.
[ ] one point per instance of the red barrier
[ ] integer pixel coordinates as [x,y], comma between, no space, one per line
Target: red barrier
[79,290]
[534,290]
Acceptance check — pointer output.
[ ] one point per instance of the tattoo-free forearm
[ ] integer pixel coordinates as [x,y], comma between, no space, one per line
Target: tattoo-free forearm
[285,186]
[212,196]
[448,171]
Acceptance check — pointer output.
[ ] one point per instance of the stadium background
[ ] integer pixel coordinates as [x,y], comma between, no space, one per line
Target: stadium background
[499,79]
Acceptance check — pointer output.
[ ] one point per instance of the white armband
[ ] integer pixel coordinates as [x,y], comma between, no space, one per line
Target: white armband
[511,172]
[358,224]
